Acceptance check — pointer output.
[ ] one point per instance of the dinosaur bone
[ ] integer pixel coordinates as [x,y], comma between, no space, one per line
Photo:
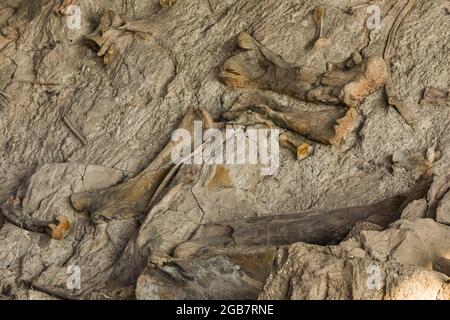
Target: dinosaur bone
[131,198]
[314,227]
[319,40]
[167,3]
[327,127]
[391,91]
[256,67]
[115,32]
[12,212]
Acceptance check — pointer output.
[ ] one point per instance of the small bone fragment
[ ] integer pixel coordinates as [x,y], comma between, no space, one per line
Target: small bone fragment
[435,97]
[131,198]
[319,40]
[255,67]
[58,230]
[353,9]
[391,92]
[301,149]
[11,211]
[110,37]
[72,128]
[167,3]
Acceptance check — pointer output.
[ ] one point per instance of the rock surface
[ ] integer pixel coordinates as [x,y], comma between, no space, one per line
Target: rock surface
[87,108]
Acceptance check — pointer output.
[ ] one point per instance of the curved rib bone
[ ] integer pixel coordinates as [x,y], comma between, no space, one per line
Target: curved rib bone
[256,67]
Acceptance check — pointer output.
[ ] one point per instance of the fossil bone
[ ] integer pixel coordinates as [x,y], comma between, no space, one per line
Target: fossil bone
[131,198]
[319,40]
[314,227]
[11,211]
[72,129]
[256,67]
[114,33]
[353,9]
[167,3]
[391,92]
[300,148]
[327,127]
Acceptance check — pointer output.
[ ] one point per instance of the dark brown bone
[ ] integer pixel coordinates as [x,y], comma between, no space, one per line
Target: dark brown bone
[314,227]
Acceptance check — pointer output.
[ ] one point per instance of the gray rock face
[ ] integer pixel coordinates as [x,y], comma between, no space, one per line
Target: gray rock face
[87,107]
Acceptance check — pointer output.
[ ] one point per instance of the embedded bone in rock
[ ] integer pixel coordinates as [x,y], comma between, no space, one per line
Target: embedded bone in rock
[327,127]
[297,271]
[315,227]
[11,212]
[34,258]
[391,91]
[167,3]
[191,200]
[132,197]
[256,67]
[115,34]
[125,77]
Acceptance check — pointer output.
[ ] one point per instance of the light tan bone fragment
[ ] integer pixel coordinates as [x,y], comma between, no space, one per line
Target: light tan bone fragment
[353,9]
[132,197]
[313,227]
[115,32]
[12,212]
[391,91]
[298,146]
[327,127]
[74,130]
[319,39]
[256,67]
[435,97]
[167,3]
